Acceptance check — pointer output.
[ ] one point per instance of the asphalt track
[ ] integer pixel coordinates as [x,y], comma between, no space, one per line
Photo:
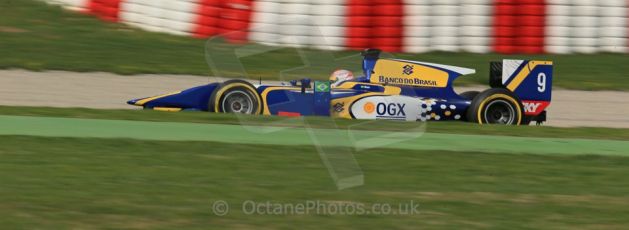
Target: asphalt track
[570,108]
[357,139]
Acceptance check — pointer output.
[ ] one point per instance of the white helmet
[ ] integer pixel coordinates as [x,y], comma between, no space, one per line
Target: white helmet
[340,76]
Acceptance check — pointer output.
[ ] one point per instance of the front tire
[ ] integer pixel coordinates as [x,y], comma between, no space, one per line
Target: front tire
[496,106]
[236,96]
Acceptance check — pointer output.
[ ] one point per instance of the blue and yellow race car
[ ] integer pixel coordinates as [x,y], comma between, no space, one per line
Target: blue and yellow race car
[391,89]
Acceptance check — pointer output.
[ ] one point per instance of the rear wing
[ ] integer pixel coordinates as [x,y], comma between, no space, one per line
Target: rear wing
[531,81]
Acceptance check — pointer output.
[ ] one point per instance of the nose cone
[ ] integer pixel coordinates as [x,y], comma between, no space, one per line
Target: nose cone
[134,101]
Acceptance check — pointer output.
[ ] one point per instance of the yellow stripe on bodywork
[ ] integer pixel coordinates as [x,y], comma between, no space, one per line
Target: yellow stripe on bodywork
[167,109]
[146,100]
[267,91]
[519,78]
[392,90]
[393,72]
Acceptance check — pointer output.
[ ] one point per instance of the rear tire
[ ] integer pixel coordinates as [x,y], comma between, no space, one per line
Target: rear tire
[236,96]
[496,106]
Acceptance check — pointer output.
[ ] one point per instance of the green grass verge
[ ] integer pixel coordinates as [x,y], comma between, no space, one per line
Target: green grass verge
[63,183]
[414,138]
[36,36]
[318,122]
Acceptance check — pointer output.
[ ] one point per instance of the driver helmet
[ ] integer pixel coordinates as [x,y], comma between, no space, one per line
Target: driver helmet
[340,76]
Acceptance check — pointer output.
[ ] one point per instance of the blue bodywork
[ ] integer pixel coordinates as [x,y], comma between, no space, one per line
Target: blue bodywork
[196,98]
[436,103]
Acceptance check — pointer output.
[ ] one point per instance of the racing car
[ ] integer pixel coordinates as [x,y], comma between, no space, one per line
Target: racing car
[390,89]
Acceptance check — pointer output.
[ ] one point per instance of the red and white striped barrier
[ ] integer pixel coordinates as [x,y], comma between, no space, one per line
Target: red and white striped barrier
[416,37]
[207,19]
[476,26]
[613,27]
[78,5]
[413,26]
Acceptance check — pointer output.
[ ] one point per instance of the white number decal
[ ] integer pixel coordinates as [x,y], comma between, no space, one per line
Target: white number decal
[541,82]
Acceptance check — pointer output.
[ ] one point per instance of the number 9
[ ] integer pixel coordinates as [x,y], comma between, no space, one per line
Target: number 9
[541,82]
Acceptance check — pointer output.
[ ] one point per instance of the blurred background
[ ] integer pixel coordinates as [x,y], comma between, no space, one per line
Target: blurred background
[587,40]
[411,26]
[73,155]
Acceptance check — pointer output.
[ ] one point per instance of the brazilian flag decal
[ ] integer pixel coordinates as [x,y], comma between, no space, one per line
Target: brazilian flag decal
[322,86]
